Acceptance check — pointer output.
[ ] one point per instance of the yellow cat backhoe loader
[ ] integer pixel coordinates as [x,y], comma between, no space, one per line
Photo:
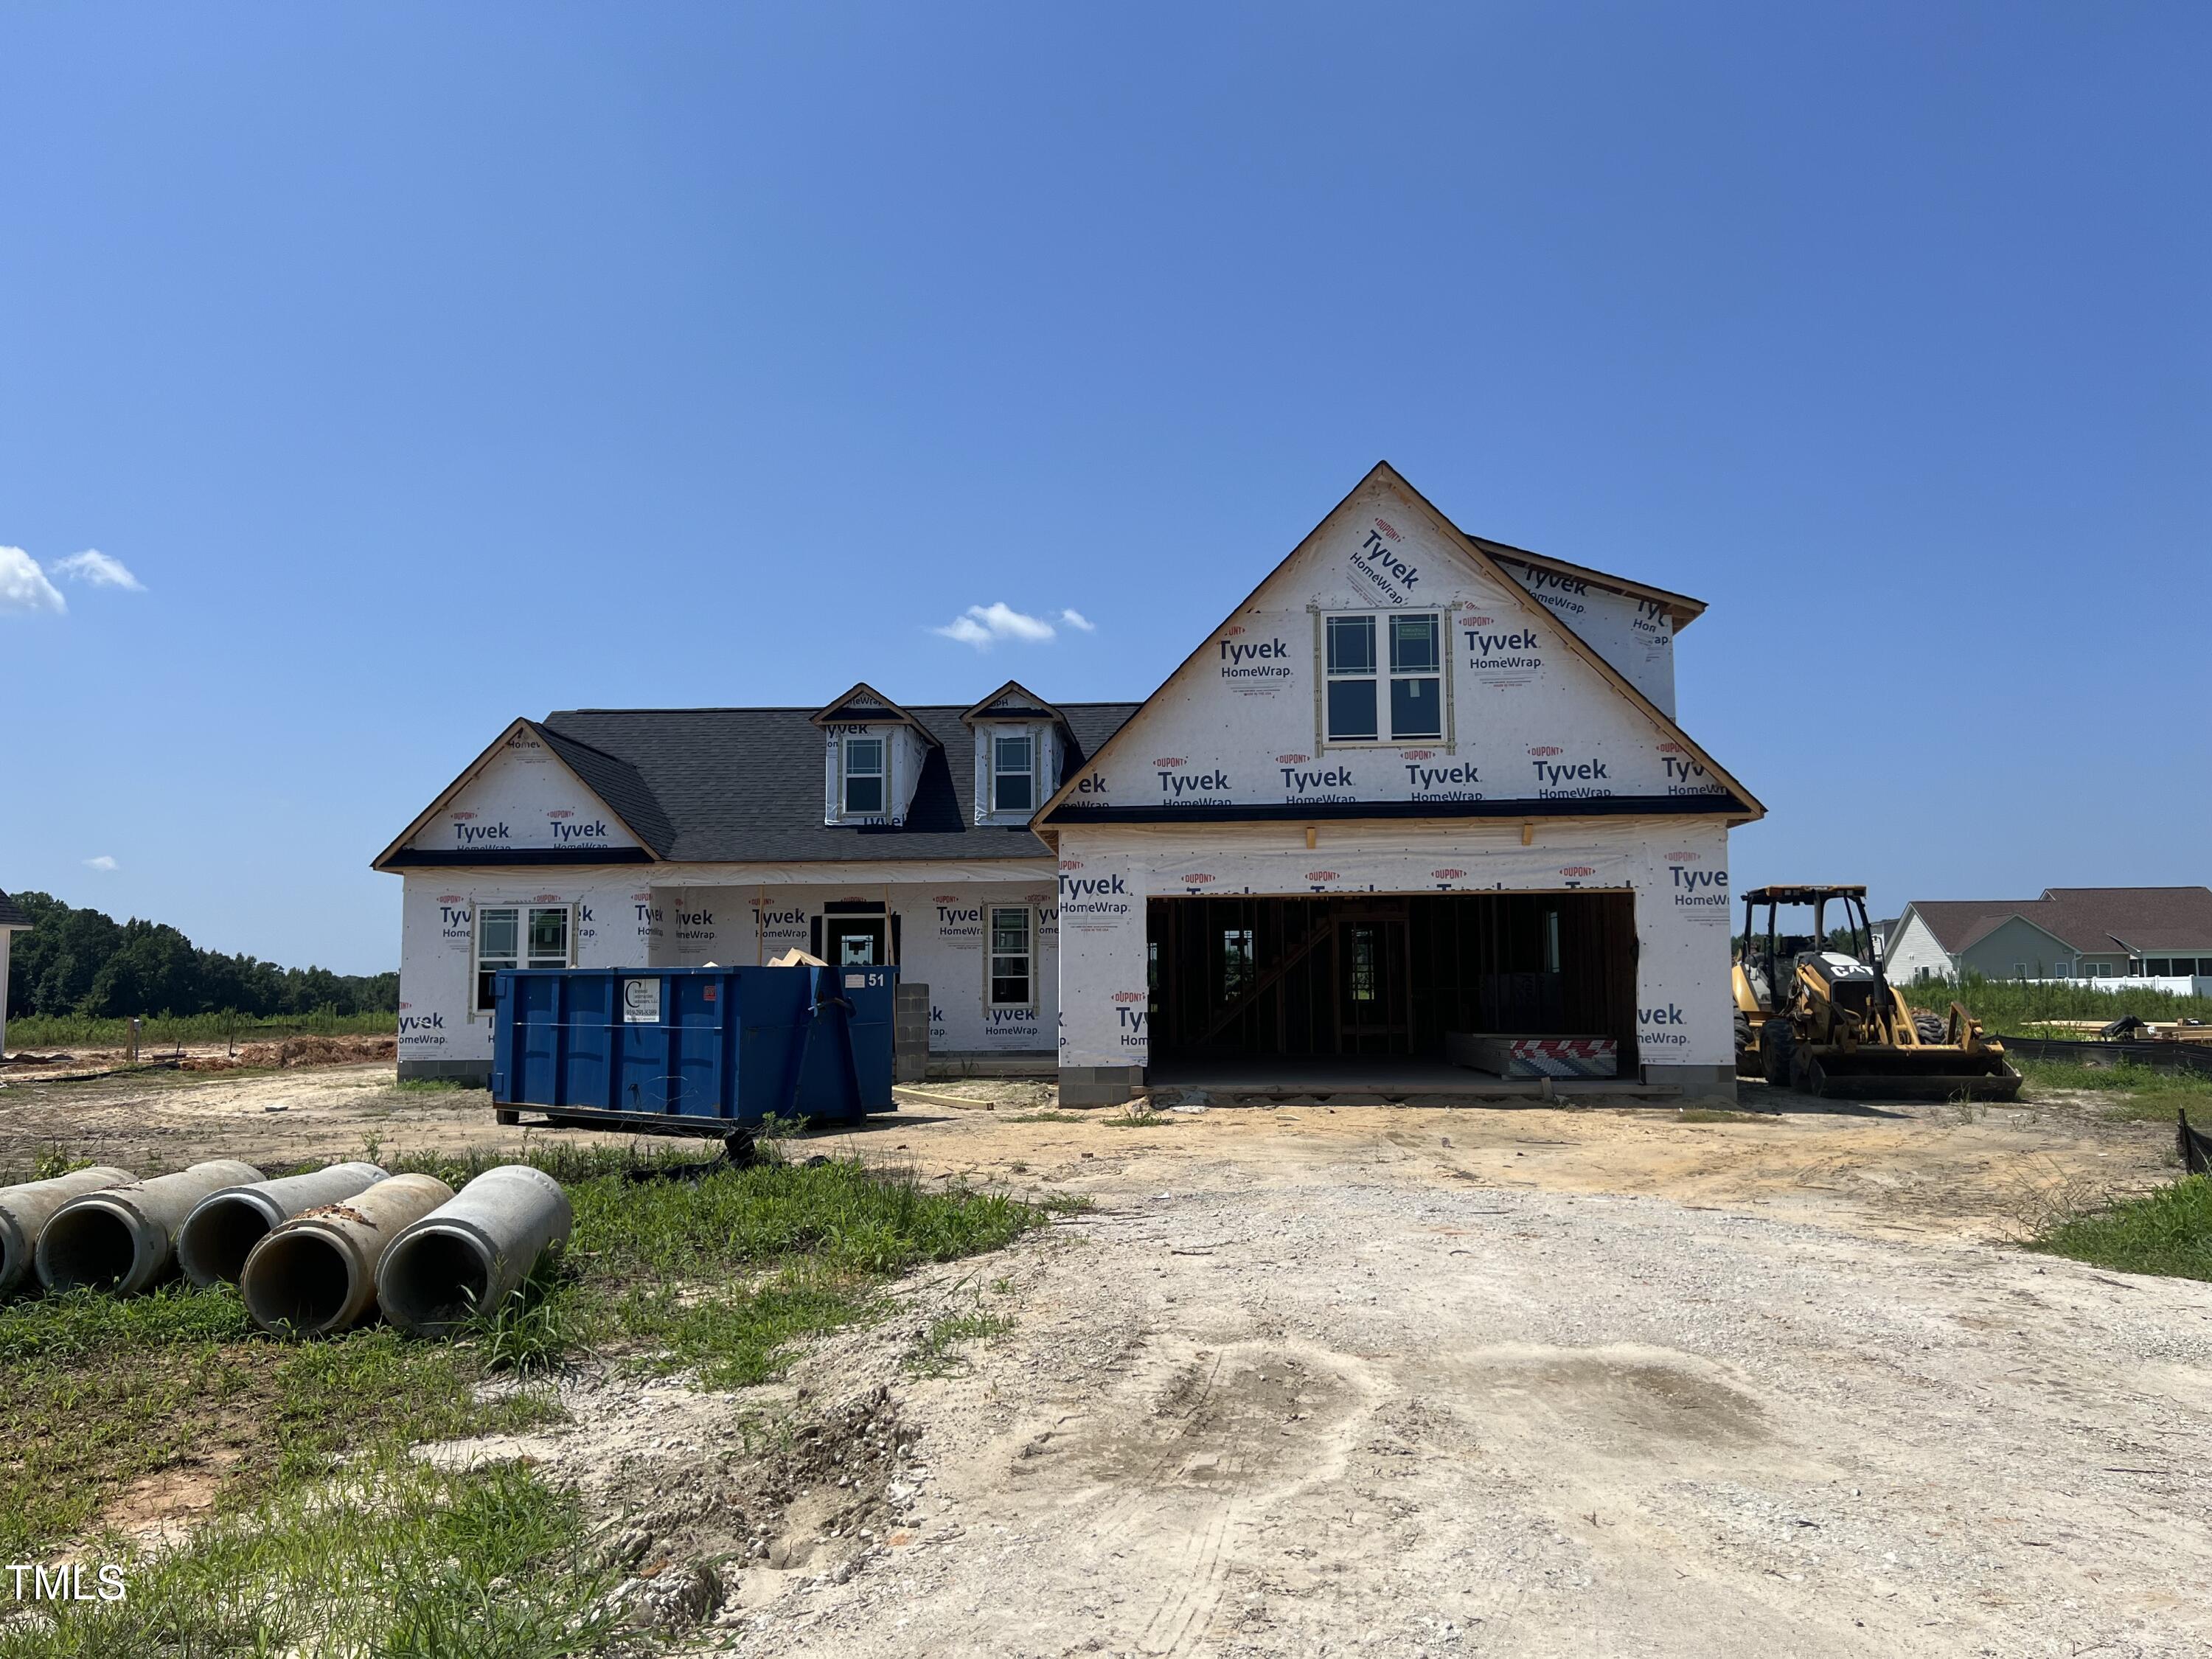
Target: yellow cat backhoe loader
[1826,1020]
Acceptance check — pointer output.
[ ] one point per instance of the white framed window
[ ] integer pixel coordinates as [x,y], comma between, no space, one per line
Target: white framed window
[1383,677]
[2062,968]
[1013,772]
[862,795]
[518,936]
[1012,958]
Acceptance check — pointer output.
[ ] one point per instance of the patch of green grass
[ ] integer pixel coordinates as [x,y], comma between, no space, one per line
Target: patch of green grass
[1138,1117]
[2168,1231]
[167,1030]
[431,1086]
[2133,1093]
[673,1261]
[1718,1115]
[726,1270]
[395,1560]
[1052,1117]
[2014,1007]
[104,1391]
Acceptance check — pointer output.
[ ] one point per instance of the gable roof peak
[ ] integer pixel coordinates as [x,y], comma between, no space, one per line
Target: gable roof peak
[866,705]
[1012,701]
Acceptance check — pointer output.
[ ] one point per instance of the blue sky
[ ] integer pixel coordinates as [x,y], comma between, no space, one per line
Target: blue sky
[426,367]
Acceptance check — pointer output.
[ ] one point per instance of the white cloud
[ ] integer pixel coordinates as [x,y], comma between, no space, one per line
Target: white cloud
[95,567]
[24,587]
[983,625]
[1076,619]
[103,862]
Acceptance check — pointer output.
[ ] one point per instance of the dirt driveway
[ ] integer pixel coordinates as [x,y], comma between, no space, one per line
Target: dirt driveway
[1427,1382]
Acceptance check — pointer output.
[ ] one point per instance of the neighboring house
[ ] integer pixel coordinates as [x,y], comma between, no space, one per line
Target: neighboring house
[13,921]
[1417,782]
[2125,933]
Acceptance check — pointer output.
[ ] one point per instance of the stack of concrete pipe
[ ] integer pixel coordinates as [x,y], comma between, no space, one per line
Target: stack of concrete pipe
[430,1258]
[312,1253]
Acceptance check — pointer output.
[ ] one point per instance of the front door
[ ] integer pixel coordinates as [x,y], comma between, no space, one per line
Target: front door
[855,942]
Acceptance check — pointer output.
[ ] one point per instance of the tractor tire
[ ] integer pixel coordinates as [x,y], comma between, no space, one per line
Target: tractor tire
[1777,1051]
[1930,1028]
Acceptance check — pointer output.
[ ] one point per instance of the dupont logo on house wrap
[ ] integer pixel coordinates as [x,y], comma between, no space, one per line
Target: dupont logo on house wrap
[1662,1027]
[1197,878]
[1131,1019]
[1292,760]
[1575,874]
[1384,570]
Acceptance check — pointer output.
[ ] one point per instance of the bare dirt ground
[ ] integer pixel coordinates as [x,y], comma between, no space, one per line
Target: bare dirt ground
[1515,1381]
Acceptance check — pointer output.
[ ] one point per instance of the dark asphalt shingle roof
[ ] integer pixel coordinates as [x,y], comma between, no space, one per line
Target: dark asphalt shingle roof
[728,785]
[12,915]
[2094,920]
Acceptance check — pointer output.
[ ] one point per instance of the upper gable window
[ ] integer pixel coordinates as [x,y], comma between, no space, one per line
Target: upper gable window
[1385,678]
[1013,773]
[864,777]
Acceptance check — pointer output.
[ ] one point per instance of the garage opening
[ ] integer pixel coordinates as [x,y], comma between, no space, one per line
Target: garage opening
[1384,977]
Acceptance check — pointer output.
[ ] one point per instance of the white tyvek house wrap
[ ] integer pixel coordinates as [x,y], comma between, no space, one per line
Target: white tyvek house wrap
[612,926]
[1637,637]
[1525,718]
[524,796]
[1677,872]
[622,921]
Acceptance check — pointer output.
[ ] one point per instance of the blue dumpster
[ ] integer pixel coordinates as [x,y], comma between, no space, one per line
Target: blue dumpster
[692,1051]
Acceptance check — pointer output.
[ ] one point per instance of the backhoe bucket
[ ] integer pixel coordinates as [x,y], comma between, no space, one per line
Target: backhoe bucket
[1873,1072]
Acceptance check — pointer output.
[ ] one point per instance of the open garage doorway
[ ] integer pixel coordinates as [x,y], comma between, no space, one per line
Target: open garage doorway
[1374,983]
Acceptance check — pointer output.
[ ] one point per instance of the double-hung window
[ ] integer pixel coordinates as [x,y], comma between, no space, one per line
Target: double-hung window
[518,936]
[1012,957]
[1410,666]
[1013,773]
[864,777]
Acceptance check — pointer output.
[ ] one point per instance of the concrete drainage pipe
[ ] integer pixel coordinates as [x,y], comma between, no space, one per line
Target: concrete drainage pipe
[123,1239]
[223,1227]
[473,1253]
[25,1211]
[316,1274]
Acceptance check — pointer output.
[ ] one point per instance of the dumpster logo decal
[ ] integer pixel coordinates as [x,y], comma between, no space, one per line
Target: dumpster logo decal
[641,1002]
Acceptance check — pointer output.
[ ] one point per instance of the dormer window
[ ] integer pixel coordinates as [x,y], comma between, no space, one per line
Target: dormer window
[864,777]
[1013,773]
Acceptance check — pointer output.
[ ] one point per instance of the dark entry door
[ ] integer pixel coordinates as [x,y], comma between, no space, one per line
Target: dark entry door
[855,942]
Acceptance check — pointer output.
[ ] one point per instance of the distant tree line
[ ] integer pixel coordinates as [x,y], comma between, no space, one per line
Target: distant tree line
[83,962]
